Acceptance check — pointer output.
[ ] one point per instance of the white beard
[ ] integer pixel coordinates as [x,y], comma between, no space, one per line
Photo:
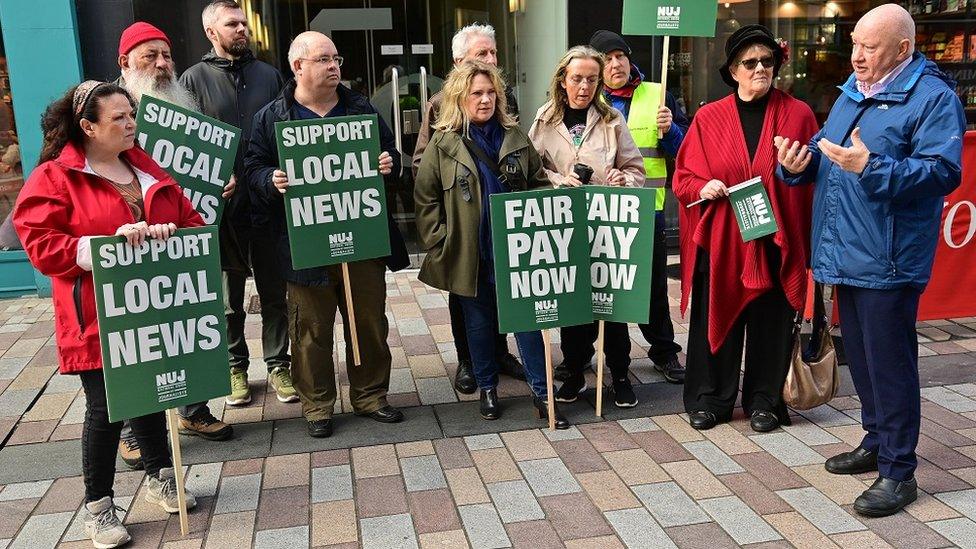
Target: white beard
[137,84]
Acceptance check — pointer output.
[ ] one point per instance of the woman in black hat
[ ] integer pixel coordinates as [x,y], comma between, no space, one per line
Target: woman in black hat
[743,294]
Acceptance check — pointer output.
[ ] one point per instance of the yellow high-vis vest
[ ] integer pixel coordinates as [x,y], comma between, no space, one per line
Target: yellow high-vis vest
[642,121]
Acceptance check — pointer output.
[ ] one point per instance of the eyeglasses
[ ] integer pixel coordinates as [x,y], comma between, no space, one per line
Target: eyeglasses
[750,64]
[325,59]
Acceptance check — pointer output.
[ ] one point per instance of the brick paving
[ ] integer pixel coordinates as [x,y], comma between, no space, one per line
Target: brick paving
[646,480]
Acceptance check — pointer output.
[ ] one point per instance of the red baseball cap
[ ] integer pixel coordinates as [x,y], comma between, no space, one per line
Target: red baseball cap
[137,33]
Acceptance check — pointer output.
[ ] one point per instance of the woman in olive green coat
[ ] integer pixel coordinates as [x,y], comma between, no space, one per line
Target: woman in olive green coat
[451,195]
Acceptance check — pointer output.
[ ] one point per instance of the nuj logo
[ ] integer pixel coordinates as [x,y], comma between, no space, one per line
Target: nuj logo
[340,238]
[603,297]
[761,212]
[170,378]
[546,305]
[668,17]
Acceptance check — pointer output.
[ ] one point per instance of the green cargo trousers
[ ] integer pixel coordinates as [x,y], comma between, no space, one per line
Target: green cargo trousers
[311,311]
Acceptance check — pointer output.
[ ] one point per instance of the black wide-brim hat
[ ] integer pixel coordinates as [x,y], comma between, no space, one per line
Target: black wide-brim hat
[741,39]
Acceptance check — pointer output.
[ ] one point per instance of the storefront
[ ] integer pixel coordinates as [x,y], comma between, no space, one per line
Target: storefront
[411,41]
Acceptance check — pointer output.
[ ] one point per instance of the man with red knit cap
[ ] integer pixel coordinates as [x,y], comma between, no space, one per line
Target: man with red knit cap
[147,68]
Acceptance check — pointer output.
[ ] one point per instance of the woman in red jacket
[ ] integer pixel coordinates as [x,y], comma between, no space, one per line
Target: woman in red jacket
[742,293]
[93,181]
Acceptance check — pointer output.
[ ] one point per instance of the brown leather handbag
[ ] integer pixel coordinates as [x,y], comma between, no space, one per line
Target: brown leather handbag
[813,378]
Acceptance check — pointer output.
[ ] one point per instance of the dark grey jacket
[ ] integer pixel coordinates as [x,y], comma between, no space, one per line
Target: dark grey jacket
[233,91]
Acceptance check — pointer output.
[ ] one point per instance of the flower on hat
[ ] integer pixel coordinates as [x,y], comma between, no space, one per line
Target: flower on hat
[784,46]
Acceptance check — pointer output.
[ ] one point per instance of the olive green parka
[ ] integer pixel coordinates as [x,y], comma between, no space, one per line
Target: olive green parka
[447,195]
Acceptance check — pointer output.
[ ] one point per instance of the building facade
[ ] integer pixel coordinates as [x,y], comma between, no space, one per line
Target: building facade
[412,39]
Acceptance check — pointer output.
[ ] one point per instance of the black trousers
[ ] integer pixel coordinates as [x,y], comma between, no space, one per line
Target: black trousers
[659,331]
[765,328]
[461,335]
[100,439]
[577,345]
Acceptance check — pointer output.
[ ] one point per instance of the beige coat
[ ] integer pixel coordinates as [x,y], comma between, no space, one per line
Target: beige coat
[605,145]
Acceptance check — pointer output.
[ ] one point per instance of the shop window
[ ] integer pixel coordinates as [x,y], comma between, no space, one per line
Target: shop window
[11,172]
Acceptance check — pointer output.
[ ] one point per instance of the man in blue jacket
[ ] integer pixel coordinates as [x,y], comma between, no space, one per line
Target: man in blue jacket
[885,159]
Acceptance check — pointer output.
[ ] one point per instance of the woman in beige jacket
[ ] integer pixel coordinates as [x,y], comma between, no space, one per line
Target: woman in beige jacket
[582,139]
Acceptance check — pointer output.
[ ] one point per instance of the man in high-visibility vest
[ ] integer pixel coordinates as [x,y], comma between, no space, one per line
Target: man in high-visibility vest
[640,103]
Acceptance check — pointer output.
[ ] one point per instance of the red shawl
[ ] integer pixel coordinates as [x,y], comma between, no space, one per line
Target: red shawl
[715,148]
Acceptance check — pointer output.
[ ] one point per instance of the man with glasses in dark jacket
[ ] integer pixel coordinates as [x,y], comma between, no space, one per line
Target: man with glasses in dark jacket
[315,294]
[231,85]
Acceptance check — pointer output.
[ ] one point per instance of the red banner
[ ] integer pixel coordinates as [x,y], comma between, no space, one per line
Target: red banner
[950,293]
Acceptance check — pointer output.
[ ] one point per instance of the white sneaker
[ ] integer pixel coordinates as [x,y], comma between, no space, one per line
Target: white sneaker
[103,525]
[162,492]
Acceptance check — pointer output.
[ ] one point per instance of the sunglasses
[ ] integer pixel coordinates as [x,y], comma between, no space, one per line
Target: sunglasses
[750,64]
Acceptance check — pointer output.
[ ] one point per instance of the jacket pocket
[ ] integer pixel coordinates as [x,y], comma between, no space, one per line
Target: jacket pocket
[77,296]
[890,242]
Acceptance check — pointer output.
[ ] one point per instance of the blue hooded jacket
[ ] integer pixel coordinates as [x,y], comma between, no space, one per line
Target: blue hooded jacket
[879,229]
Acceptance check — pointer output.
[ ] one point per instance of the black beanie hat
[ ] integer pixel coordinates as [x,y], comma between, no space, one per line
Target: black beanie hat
[605,41]
[741,39]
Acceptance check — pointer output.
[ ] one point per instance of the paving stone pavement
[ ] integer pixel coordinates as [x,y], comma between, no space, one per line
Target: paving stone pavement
[445,478]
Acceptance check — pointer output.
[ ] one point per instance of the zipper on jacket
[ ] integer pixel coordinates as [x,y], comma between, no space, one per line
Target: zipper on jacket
[78,310]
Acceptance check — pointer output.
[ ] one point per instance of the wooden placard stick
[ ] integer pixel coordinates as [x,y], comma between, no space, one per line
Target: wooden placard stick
[600,363]
[550,397]
[351,314]
[174,439]
[664,76]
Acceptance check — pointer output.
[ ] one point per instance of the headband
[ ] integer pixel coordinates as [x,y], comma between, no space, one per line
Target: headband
[83,93]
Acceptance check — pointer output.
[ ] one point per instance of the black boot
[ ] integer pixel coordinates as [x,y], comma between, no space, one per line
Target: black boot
[886,497]
[510,366]
[490,408]
[542,412]
[464,380]
[854,462]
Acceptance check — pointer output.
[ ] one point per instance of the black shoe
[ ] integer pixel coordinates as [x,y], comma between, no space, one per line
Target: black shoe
[672,371]
[510,366]
[386,414]
[320,428]
[542,412]
[854,462]
[464,381]
[886,497]
[571,389]
[623,394]
[562,372]
[489,404]
[702,420]
[763,421]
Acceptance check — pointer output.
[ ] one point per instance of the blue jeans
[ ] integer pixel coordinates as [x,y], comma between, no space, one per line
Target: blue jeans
[480,319]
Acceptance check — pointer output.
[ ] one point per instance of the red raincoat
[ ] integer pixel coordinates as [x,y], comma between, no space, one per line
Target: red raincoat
[715,148]
[62,201]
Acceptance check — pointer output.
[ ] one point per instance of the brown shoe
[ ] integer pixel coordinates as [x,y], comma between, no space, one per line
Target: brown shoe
[130,453]
[205,425]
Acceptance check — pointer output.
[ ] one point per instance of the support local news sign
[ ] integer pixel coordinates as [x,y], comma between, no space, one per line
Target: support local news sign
[955,256]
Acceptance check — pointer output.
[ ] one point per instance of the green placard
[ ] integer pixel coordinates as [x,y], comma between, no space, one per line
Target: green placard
[620,226]
[336,202]
[669,17]
[752,209]
[198,151]
[161,321]
[542,261]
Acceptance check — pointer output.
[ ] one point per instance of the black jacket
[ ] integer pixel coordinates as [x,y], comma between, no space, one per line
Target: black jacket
[232,92]
[267,203]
